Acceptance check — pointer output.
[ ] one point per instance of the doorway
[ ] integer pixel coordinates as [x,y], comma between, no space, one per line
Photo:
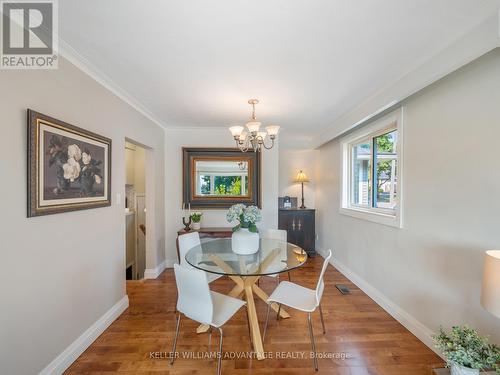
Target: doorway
[135,211]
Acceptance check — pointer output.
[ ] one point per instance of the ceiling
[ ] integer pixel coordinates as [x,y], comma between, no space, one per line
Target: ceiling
[195,63]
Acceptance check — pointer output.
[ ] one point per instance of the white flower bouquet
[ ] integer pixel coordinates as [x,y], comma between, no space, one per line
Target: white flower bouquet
[246,216]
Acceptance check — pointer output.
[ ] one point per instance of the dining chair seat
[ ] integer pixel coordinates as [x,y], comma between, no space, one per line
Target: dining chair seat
[295,296]
[224,308]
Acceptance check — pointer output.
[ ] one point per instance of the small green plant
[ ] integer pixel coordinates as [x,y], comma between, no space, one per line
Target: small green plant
[196,217]
[463,346]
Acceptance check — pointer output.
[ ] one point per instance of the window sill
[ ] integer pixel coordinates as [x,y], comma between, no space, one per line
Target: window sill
[373,216]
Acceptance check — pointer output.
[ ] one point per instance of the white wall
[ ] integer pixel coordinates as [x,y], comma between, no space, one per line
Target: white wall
[431,269]
[291,161]
[213,137]
[136,167]
[61,273]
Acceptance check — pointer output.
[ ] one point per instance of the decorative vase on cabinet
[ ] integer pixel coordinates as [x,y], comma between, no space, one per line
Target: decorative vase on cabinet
[244,242]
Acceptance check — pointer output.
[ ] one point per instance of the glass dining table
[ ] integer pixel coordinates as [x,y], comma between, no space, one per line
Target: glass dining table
[273,257]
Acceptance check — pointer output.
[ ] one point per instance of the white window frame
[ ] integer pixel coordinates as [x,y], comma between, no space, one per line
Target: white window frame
[391,217]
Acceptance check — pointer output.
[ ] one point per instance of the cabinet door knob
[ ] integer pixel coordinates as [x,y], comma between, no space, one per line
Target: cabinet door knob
[293,224]
[300,225]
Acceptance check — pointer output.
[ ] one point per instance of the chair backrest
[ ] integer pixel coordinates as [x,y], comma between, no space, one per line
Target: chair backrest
[186,242]
[321,284]
[194,299]
[274,234]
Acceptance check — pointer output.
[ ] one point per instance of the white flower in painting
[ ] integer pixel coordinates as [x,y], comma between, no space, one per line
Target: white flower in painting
[71,169]
[86,158]
[74,152]
[97,178]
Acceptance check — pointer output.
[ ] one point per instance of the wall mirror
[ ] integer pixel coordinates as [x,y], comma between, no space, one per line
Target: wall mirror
[220,177]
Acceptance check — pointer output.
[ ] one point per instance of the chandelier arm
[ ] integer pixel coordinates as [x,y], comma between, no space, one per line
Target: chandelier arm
[270,147]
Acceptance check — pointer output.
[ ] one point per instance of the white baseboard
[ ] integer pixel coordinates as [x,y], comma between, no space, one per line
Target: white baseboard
[72,352]
[153,273]
[422,332]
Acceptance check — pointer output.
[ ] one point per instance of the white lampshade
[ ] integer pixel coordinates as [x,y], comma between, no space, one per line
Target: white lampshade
[262,135]
[253,126]
[490,295]
[243,135]
[236,130]
[272,129]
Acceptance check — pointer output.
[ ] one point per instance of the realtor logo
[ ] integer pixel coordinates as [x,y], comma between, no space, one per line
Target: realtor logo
[29,34]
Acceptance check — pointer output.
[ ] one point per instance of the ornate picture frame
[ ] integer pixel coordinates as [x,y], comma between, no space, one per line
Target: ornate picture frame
[69,168]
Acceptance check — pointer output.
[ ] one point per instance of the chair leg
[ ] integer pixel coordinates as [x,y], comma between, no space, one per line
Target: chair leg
[289,277]
[313,344]
[267,320]
[209,338]
[219,363]
[321,315]
[172,358]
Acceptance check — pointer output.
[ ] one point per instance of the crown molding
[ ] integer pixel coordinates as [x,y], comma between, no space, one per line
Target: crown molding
[82,63]
[195,127]
[480,40]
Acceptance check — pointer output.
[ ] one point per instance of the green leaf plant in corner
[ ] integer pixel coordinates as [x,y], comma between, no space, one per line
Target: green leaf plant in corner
[464,347]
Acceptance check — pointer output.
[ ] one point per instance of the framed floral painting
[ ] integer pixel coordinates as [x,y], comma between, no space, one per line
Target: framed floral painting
[69,167]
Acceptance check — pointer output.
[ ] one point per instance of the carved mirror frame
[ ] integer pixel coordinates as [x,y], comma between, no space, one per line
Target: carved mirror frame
[190,155]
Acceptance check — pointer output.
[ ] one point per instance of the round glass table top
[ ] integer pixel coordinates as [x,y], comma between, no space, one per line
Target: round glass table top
[273,257]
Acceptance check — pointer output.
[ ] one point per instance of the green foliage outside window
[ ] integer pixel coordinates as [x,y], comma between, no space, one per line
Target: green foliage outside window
[227,185]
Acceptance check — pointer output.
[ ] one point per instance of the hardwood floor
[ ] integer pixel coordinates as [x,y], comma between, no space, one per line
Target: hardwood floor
[374,343]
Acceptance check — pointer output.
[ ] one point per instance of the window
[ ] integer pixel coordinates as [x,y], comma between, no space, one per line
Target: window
[221,178]
[372,171]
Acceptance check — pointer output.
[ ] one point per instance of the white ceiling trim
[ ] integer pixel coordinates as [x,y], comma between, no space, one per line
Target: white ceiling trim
[469,47]
[70,54]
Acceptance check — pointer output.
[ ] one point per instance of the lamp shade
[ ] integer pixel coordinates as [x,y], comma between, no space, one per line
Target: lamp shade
[236,130]
[490,295]
[301,177]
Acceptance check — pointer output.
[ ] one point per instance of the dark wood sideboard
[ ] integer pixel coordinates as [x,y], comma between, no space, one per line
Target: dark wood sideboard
[300,227]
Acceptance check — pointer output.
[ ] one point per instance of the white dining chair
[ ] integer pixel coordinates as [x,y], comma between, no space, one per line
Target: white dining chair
[197,302]
[279,235]
[303,299]
[186,242]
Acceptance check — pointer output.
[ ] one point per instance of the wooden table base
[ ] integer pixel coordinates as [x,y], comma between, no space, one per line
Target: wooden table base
[246,285]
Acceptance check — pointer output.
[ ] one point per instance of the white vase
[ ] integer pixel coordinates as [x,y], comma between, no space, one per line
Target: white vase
[196,226]
[461,370]
[244,242]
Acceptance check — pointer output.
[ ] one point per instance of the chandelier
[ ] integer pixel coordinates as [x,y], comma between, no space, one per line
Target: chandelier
[251,138]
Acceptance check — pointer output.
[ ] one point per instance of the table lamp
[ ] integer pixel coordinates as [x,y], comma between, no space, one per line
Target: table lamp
[301,178]
[490,296]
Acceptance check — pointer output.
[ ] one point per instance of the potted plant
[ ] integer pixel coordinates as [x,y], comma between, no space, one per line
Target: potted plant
[245,238]
[196,220]
[466,352]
